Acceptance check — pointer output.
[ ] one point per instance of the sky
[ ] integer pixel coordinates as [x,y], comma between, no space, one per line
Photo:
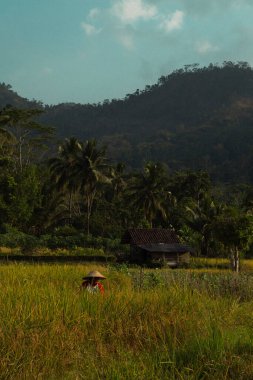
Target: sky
[86,51]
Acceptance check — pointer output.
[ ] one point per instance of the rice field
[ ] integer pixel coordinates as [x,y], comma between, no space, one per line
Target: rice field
[150,324]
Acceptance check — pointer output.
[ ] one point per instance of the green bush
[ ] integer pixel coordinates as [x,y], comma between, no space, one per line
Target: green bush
[65,231]
[28,244]
[81,240]
[14,238]
[66,238]
[55,241]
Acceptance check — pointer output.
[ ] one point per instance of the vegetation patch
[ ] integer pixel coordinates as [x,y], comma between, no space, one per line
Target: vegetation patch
[151,324]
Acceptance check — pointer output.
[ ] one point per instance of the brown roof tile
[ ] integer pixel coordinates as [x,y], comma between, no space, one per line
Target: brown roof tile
[137,236]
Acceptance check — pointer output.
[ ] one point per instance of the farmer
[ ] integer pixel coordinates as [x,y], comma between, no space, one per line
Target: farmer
[91,282]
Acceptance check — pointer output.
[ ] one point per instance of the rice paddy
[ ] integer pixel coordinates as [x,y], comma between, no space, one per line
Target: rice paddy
[150,324]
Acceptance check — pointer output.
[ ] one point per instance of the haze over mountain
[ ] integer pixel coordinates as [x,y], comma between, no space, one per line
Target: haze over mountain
[194,118]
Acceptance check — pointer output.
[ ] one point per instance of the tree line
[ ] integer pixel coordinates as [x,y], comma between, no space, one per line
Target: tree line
[79,187]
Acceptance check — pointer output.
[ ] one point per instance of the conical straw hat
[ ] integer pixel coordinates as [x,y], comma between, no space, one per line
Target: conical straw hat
[95,274]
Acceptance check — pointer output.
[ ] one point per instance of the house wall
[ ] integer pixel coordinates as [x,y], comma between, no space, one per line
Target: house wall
[176,257]
[140,256]
[137,255]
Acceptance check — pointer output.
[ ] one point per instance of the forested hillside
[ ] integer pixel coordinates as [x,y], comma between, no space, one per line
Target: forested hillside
[61,191]
[193,118]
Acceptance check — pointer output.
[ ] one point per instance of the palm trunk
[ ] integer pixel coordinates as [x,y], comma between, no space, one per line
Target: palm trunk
[89,201]
[88,223]
[88,215]
[70,205]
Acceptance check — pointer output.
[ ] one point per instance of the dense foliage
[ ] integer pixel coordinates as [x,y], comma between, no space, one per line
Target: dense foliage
[200,115]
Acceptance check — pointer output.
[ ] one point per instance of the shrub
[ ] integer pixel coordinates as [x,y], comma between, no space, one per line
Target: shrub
[12,238]
[28,244]
[65,231]
[65,237]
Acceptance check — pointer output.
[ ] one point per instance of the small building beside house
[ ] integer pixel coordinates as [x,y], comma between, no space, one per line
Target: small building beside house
[156,247]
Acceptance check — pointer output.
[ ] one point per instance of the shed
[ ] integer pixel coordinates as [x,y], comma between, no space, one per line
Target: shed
[156,246]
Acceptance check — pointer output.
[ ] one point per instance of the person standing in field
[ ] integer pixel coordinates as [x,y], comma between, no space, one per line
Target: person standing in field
[92,283]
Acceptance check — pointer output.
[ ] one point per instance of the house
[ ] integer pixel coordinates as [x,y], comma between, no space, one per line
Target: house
[156,247]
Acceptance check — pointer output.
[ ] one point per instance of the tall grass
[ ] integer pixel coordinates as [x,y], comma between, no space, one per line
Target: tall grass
[148,325]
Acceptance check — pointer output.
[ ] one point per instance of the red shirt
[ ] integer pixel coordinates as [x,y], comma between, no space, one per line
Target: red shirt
[93,287]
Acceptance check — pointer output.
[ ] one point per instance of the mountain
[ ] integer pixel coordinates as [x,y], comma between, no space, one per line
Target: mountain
[197,118]
[10,97]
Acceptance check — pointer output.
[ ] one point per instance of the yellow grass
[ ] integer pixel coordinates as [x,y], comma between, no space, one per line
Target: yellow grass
[185,327]
[5,250]
[210,261]
[247,264]
[210,264]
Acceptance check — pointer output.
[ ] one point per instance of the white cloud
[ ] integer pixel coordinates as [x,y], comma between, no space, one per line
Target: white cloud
[90,29]
[129,11]
[126,40]
[93,12]
[173,22]
[205,47]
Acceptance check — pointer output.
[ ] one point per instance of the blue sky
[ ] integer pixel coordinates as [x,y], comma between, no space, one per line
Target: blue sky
[86,51]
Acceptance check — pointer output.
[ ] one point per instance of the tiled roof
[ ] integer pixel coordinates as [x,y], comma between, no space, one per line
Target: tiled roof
[138,236]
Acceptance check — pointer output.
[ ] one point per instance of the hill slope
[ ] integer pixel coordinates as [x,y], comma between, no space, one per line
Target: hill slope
[193,118]
[10,97]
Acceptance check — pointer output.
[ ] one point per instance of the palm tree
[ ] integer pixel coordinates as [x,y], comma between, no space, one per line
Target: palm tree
[51,211]
[118,181]
[90,169]
[148,193]
[62,168]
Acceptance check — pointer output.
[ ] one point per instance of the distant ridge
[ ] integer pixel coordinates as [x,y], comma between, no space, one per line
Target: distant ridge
[10,97]
[197,118]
